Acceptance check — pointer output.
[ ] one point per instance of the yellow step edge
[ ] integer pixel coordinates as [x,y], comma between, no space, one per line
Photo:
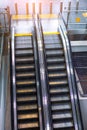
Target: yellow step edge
[51,33]
[48,16]
[17,17]
[22,34]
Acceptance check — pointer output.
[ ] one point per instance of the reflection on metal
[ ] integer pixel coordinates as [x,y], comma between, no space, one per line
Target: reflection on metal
[22,34]
[14,81]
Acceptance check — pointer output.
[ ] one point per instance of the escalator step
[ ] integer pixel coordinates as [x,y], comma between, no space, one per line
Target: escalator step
[60,99]
[24,90]
[28,126]
[32,82]
[22,52]
[57,75]
[63,126]
[27,107]
[26,99]
[26,76]
[53,46]
[54,53]
[64,82]
[59,90]
[27,116]
[61,106]
[62,116]
[56,67]
[26,45]
[25,67]
[50,60]
[24,49]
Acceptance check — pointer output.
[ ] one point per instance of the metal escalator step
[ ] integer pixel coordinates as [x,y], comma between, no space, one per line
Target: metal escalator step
[53,46]
[54,53]
[24,48]
[24,59]
[50,60]
[27,107]
[23,45]
[58,82]
[26,99]
[56,67]
[25,75]
[25,67]
[59,90]
[22,52]
[27,116]
[56,75]
[28,126]
[60,99]
[32,82]
[63,125]
[26,90]
[62,116]
[61,106]
[24,55]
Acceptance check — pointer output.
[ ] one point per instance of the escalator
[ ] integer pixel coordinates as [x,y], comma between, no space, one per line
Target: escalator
[59,90]
[26,87]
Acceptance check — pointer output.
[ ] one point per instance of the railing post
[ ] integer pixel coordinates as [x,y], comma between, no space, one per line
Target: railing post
[69,8]
[16,8]
[61,7]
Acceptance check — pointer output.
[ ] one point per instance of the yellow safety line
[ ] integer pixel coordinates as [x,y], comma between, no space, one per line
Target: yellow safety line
[17,17]
[51,33]
[22,34]
[48,16]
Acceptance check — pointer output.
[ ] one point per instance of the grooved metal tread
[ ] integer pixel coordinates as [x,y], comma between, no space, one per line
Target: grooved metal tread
[61,108]
[26,91]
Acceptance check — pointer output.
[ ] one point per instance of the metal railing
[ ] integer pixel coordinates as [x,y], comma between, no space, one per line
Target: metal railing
[4,20]
[13,81]
[1,53]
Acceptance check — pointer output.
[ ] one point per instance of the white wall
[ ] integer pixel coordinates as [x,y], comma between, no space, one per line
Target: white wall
[22,4]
